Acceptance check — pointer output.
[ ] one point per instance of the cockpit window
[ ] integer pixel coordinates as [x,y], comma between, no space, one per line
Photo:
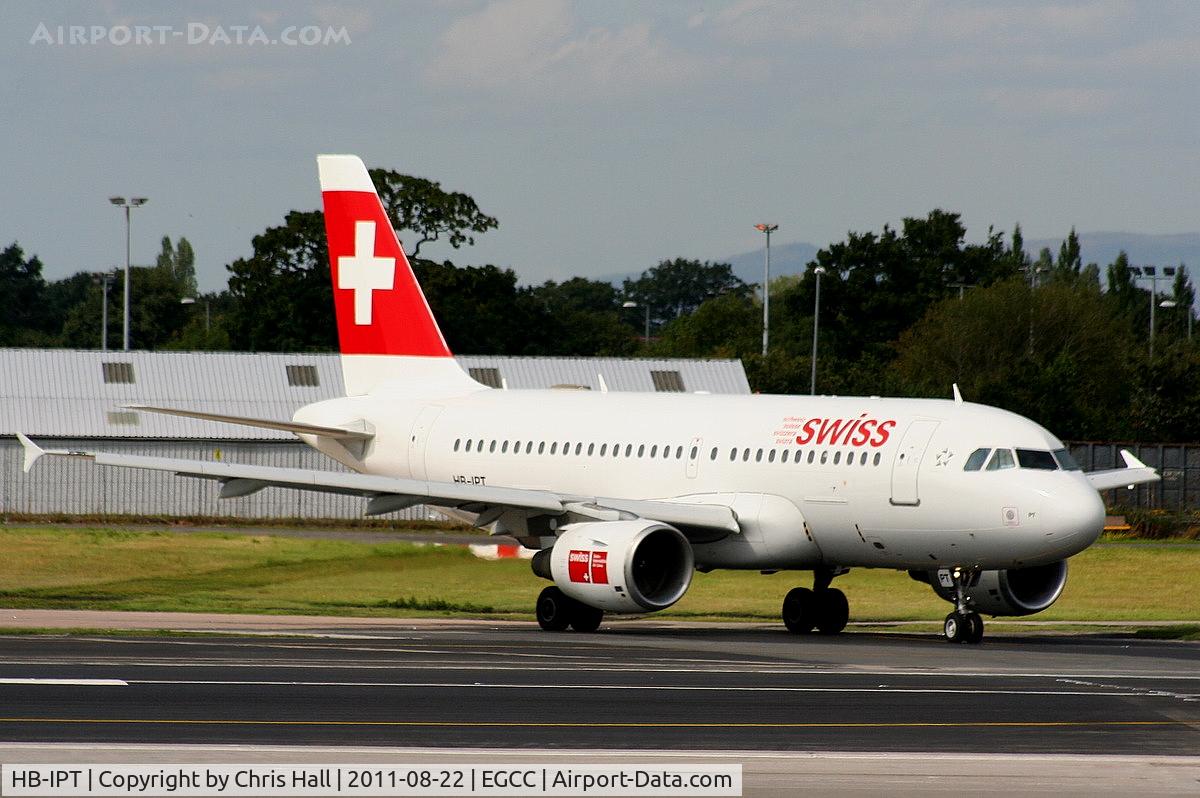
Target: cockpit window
[1032,458]
[1003,458]
[1065,461]
[976,460]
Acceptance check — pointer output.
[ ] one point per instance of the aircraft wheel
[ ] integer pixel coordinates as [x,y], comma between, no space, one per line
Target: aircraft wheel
[974,630]
[585,618]
[554,610]
[955,627]
[833,611]
[799,610]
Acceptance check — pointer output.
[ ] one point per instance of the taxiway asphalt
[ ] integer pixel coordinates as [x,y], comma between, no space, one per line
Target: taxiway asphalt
[640,685]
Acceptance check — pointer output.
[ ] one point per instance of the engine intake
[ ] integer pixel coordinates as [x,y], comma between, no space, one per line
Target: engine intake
[1016,591]
[619,566]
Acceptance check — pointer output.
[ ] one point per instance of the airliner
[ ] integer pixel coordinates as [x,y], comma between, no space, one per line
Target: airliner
[624,496]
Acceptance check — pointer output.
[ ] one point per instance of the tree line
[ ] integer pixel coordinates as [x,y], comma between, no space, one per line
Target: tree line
[905,311]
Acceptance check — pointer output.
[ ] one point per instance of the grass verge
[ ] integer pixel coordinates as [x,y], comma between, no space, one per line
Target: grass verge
[119,569]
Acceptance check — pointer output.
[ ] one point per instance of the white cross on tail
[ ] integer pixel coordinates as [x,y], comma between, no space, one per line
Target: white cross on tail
[363,273]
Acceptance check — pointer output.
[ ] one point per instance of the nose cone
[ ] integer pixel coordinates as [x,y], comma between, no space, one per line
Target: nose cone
[1074,518]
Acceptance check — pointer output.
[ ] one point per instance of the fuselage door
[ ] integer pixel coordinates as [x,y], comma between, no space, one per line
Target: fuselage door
[418,439]
[693,457]
[907,465]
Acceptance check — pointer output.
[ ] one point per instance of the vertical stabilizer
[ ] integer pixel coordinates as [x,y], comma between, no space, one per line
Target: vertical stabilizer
[386,330]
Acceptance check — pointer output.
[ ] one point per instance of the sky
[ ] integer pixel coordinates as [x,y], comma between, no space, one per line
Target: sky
[604,136]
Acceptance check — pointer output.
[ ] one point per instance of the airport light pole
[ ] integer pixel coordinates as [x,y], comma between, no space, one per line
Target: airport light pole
[134,202]
[103,278]
[767,229]
[191,300]
[1151,273]
[818,271]
[632,304]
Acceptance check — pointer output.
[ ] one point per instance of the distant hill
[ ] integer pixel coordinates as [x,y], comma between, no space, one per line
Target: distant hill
[785,259]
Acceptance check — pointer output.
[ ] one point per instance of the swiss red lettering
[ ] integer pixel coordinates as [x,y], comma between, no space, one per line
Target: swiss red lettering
[861,431]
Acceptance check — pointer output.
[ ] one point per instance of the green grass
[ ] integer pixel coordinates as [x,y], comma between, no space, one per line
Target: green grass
[100,568]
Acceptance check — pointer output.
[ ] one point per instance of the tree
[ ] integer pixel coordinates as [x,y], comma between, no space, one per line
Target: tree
[180,263]
[420,205]
[585,318]
[282,297]
[22,288]
[1070,260]
[282,294]
[1055,354]
[677,287]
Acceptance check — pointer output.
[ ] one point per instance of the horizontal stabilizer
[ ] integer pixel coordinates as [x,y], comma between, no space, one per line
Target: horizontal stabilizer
[1135,473]
[337,433]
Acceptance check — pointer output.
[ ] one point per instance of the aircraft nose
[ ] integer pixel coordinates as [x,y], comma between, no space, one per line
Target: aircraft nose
[1076,517]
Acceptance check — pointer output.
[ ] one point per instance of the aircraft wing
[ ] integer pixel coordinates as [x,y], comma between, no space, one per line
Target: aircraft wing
[386,494]
[1135,473]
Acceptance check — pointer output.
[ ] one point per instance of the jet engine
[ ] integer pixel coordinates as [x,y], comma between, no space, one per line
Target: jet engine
[619,566]
[1016,591]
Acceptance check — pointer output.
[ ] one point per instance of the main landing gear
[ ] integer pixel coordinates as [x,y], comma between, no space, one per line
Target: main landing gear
[964,625]
[556,611]
[824,608]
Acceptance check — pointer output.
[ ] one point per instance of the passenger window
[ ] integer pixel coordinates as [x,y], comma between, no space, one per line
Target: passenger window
[837,457]
[732,454]
[492,447]
[783,458]
[877,458]
[541,447]
[824,457]
[745,455]
[578,448]
[504,447]
[771,456]
[976,460]
[528,447]
[517,447]
[862,461]
[591,449]
[553,447]
[666,452]
[1002,458]
[641,450]
[713,454]
[1033,458]
[654,450]
[758,456]
[467,447]
[603,449]
[1065,461]
[456,444]
[811,454]
[679,452]
[628,449]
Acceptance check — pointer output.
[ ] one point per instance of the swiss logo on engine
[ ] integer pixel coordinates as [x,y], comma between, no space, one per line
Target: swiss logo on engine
[589,567]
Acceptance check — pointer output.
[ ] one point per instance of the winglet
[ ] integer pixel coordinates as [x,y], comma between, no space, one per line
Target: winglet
[1131,461]
[32,451]
[958,400]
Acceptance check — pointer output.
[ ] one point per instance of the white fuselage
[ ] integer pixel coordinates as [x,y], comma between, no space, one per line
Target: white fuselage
[889,494]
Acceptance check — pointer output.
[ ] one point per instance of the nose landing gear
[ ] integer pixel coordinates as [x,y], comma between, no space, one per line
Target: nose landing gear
[824,608]
[964,625]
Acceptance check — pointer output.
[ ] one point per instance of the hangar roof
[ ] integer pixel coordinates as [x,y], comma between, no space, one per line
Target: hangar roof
[79,393]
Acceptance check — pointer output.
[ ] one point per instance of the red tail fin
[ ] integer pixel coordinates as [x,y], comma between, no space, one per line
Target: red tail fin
[380,307]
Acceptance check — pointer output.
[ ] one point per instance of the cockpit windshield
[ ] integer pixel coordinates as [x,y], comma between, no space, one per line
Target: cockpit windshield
[1035,459]
[1032,458]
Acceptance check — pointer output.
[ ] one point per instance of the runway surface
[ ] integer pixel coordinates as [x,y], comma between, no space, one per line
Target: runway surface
[632,686]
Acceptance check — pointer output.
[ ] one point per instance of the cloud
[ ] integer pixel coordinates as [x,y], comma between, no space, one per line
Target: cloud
[538,46]
[1043,102]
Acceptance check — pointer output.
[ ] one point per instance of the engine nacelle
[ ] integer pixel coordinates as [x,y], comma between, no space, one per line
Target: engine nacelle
[619,566]
[1016,591]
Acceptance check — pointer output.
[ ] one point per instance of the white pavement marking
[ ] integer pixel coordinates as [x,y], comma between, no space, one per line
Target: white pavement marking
[651,687]
[69,682]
